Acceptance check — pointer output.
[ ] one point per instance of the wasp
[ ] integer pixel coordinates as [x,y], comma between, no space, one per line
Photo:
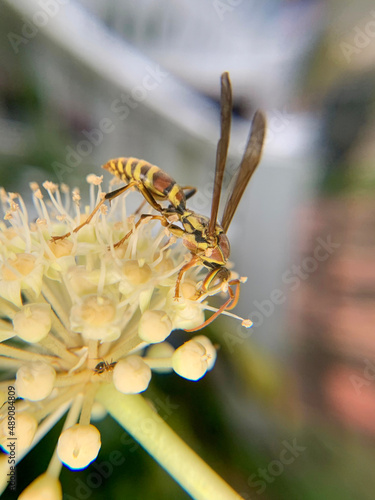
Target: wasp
[203,236]
[104,366]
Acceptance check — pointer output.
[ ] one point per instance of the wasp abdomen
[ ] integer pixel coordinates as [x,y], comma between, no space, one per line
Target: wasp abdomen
[160,184]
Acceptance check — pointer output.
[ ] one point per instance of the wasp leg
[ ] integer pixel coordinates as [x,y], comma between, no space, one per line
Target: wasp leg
[229,304]
[221,273]
[151,200]
[162,219]
[142,189]
[108,197]
[195,261]
[148,196]
[215,273]
[235,283]
[190,191]
[56,238]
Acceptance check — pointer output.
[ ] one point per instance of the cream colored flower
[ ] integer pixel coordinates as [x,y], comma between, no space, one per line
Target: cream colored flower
[80,312]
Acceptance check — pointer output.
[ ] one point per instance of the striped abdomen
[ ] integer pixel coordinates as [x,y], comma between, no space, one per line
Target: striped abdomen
[160,184]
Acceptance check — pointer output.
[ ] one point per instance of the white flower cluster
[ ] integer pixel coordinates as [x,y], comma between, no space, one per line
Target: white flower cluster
[79,312]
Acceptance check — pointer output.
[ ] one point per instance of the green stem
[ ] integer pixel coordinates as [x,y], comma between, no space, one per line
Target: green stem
[137,417]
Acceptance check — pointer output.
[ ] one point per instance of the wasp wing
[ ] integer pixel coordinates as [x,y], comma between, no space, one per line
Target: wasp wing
[222,147]
[247,167]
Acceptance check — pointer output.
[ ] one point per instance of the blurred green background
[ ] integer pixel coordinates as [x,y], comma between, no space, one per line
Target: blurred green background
[289,410]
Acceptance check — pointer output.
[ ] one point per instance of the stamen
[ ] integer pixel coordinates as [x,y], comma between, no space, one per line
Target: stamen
[53,188]
[66,192]
[227,313]
[25,223]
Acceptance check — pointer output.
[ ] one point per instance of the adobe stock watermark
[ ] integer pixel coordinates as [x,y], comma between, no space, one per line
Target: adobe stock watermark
[292,278]
[30,27]
[364,380]
[122,108]
[11,441]
[264,476]
[361,38]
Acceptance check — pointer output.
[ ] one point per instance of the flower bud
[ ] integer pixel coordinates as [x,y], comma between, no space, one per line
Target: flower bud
[131,375]
[210,350]
[78,446]
[33,322]
[190,360]
[154,326]
[187,312]
[35,381]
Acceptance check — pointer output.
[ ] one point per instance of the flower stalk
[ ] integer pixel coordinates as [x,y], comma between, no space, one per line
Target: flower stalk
[138,418]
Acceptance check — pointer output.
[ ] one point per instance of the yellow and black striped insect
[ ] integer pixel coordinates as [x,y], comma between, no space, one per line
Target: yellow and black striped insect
[204,237]
[104,366]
